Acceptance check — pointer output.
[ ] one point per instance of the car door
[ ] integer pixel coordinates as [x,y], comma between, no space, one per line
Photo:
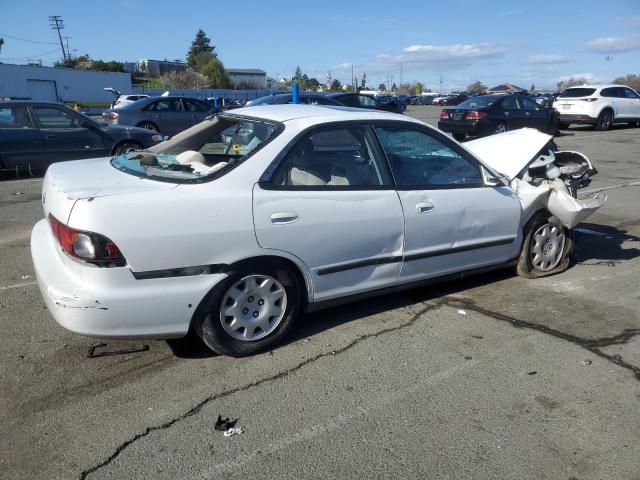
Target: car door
[513,112]
[454,221]
[69,135]
[632,103]
[168,115]
[331,203]
[535,115]
[21,144]
[196,110]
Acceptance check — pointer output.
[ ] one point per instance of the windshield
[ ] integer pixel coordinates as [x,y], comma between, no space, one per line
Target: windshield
[577,92]
[481,101]
[203,152]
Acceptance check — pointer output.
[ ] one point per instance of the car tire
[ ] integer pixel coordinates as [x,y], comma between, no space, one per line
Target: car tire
[272,289]
[546,249]
[563,126]
[148,126]
[459,136]
[500,127]
[605,120]
[126,146]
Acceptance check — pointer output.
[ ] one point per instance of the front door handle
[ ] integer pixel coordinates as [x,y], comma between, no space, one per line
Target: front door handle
[283,217]
[48,137]
[424,207]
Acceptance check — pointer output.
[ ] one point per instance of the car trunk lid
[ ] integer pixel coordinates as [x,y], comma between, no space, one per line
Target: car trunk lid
[67,182]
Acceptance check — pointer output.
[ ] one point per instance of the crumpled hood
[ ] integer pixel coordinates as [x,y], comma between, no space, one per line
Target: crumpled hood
[96,178]
[510,152]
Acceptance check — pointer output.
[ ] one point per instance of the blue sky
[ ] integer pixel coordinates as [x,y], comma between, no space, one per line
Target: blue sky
[463,40]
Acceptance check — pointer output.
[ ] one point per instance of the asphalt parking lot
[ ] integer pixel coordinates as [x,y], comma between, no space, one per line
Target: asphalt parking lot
[486,378]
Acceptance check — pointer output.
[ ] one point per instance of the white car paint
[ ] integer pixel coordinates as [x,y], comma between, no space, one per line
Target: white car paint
[623,101]
[168,227]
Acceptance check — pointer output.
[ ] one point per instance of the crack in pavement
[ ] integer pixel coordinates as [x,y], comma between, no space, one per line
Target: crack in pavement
[195,410]
[592,345]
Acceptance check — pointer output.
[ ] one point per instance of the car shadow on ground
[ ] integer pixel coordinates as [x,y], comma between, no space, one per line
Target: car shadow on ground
[602,244]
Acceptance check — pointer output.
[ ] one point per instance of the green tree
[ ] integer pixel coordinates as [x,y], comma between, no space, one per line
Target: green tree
[200,44]
[298,73]
[419,88]
[313,84]
[477,88]
[631,80]
[382,87]
[570,82]
[1,43]
[335,86]
[111,66]
[216,74]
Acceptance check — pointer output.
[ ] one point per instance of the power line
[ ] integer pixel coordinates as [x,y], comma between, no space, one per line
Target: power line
[26,40]
[31,56]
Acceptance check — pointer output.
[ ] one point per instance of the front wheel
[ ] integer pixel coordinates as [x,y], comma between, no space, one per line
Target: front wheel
[253,310]
[546,249]
[125,147]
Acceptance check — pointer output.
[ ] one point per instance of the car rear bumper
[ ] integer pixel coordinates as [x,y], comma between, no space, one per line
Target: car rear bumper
[575,118]
[110,302]
[470,128]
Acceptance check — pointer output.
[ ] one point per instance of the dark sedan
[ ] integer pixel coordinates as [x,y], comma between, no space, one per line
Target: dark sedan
[358,100]
[34,135]
[283,98]
[489,114]
[166,115]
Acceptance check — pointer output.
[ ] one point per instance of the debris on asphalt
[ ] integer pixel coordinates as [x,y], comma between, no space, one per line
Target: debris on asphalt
[467,357]
[19,193]
[226,424]
[532,372]
[479,337]
[26,276]
[93,354]
[234,431]
[586,361]
[462,312]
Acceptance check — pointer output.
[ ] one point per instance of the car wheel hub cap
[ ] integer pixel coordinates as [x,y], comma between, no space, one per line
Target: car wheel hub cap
[547,247]
[253,307]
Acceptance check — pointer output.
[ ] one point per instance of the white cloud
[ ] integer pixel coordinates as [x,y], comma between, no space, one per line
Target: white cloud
[447,56]
[614,44]
[587,76]
[547,59]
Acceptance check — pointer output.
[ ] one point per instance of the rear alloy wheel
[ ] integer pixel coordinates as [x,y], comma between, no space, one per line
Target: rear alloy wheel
[605,120]
[500,128]
[250,312]
[459,136]
[125,147]
[148,126]
[546,248]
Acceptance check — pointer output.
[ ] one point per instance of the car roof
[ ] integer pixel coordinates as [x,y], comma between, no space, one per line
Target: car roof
[608,85]
[32,102]
[285,113]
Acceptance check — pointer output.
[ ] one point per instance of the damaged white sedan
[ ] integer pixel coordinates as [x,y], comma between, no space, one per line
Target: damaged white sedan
[234,227]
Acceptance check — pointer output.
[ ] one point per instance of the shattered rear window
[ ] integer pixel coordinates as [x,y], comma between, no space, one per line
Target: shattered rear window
[203,152]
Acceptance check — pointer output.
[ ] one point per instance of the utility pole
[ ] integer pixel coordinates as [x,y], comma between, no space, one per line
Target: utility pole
[440,84]
[57,23]
[400,76]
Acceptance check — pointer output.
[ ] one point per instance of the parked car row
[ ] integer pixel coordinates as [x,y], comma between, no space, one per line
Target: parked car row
[35,134]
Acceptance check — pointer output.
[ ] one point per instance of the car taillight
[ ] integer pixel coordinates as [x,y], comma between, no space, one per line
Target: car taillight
[475,115]
[590,99]
[87,246]
[110,115]
[444,115]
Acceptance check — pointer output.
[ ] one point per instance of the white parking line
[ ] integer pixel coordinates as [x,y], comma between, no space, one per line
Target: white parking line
[595,190]
[17,285]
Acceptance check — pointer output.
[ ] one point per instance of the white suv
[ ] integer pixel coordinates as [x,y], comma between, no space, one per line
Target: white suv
[598,105]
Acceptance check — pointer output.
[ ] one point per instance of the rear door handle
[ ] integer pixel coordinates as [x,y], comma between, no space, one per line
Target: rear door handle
[283,217]
[424,207]
[49,136]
